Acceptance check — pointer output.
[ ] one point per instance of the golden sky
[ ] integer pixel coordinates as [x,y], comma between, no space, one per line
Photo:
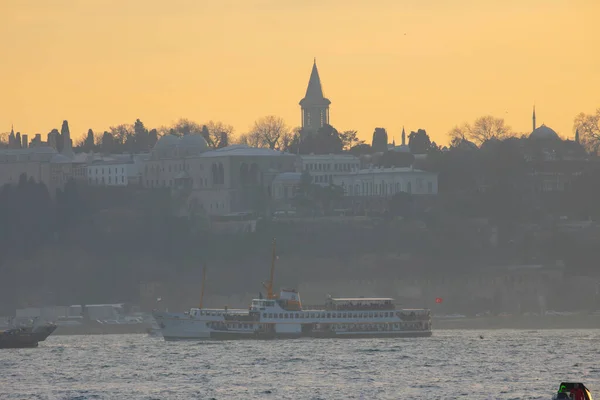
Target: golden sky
[427,64]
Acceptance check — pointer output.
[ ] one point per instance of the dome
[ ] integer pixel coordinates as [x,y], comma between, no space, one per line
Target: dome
[167,140]
[544,132]
[194,140]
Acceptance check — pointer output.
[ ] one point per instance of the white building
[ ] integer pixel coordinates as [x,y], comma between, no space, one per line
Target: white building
[324,167]
[382,182]
[217,182]
[115,171]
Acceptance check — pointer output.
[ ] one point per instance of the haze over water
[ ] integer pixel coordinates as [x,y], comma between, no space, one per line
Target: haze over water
[504,364]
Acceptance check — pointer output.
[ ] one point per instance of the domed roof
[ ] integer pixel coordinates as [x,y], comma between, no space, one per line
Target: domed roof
[544,132]
[167,140]
[193,140]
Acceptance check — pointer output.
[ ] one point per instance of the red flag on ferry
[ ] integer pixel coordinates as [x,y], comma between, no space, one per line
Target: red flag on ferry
[438,300]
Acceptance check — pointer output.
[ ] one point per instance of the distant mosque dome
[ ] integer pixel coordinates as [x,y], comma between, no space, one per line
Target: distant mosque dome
[544,132]
[195,141]
[167,141]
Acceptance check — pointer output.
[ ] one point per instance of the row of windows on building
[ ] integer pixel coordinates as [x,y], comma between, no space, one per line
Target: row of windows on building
[382,189]
[101,181]
[108,169]
[156,183]
[327,166]
[153,168]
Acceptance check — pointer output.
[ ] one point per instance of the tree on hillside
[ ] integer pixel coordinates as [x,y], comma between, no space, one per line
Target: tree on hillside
[350,139]
[325,141]
[88,144]
[395,159]
[107,143]
[588,127]
[419,142]
[361,149]
[380,140]
[483,129]
[181,127]
[216,129]
[270,132]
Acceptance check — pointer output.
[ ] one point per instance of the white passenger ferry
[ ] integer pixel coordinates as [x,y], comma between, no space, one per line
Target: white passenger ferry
[282,316]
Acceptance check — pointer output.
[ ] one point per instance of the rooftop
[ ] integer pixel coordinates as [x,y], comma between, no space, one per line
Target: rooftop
[241,150]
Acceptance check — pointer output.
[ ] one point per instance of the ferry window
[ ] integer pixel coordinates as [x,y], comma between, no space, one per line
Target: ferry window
[344,315]
[286,315]
[370,315]
[296,315]
[280,315]
[328,315]
[322,315]
[270,315]
[265,315]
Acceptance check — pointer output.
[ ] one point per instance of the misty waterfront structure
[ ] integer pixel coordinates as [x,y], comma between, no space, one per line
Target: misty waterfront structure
[386,182]
[214,182]
[314,106]
[323,167]
[116,170]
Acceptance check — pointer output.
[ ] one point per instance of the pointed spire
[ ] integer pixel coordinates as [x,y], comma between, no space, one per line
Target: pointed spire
[403,136]
[577,135]
[12,129]
[314,90]
[534,125]
[394,141]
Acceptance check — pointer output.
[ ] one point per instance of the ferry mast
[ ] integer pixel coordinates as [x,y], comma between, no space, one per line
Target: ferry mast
[269,284]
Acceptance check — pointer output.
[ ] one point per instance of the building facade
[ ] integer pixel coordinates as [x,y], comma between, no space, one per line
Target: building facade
[214,182]
[324,167]
[383,182]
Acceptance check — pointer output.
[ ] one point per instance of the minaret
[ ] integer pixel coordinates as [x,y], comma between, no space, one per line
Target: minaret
[534,126]
[315,107]
[11,137]
[403,136]
[577,135]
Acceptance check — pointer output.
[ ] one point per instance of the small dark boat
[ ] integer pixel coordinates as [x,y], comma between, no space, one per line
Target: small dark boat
[572,391]
[25,337]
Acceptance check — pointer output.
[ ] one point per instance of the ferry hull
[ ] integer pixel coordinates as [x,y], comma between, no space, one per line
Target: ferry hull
[216,335]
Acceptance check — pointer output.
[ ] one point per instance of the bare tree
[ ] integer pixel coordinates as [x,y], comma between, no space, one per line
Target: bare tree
[271,132]
[588,126]
[181,127]
[350,139]
[4,139]
[483,129]
[215,131]
[251,139]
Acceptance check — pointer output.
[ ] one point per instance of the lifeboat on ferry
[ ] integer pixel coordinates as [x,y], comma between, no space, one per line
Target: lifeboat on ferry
[572,391]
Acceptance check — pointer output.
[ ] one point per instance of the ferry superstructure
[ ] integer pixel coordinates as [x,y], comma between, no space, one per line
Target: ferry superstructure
[282,316]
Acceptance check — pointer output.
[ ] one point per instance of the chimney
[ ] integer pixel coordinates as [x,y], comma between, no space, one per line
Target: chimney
[24,141]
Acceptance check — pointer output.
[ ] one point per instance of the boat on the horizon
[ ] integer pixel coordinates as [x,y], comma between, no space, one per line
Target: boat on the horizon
[283,316]
[18,337]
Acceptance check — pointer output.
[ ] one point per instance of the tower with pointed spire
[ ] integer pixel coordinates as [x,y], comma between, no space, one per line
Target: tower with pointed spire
[534,125]
[403,136]
[314,106]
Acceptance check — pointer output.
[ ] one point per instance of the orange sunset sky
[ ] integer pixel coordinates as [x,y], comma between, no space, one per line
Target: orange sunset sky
[428,64]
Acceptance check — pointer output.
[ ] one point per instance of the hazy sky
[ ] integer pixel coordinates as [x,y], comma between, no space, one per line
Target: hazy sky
[427,64]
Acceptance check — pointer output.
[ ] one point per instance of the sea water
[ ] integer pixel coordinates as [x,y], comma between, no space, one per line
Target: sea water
[452,364]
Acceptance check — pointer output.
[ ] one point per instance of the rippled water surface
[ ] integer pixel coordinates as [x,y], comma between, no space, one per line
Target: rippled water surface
[449,365]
